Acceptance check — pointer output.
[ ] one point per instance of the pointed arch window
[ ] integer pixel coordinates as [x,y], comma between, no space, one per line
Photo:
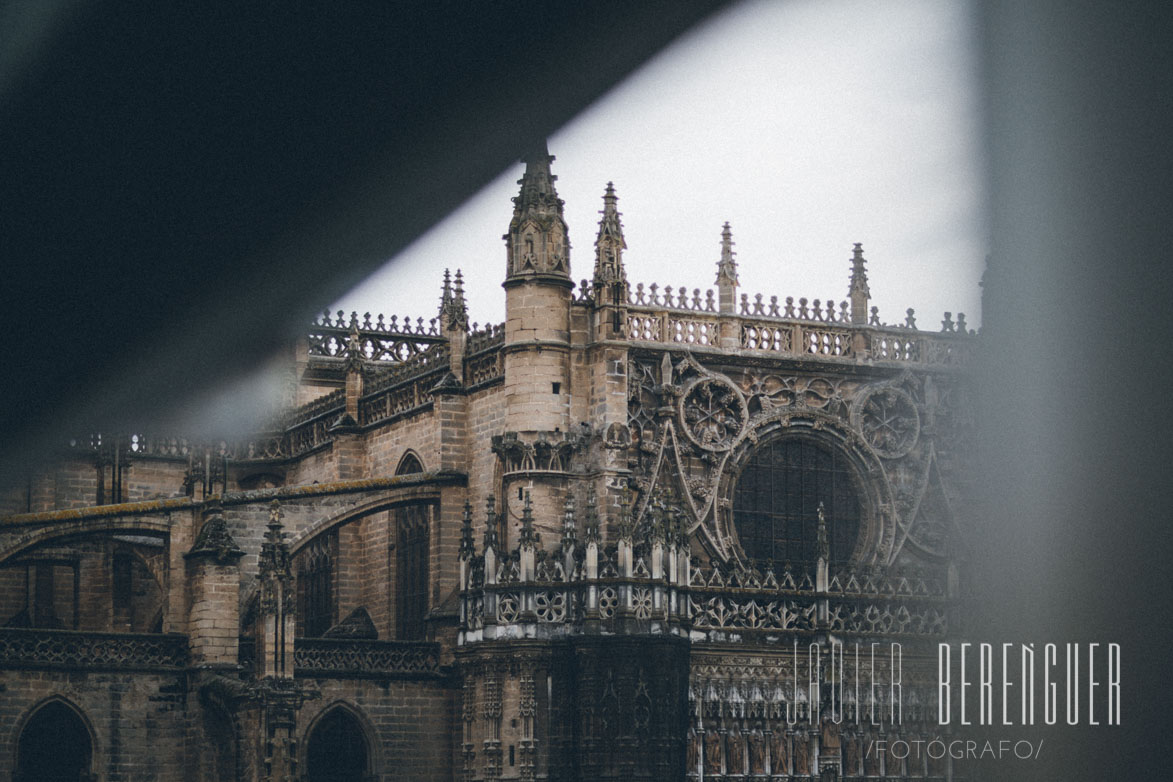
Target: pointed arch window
[315,584]
[409,463]
[411,565]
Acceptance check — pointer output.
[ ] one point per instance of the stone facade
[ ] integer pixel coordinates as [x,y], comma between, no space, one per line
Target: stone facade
[632,533]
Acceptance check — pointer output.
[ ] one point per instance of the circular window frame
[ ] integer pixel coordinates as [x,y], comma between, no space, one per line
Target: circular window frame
[862,466]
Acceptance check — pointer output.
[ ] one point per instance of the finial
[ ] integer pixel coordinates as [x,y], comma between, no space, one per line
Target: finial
[354,352]
[527,523]
[537,241]
[610,244]
[453,310]
[467,548]
[537,184]
[727,267]
[490,523]
[274,558]
[568,516]
[858,290]
[592,518]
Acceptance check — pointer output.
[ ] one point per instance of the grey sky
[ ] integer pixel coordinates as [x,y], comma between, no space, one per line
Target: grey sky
[808,125]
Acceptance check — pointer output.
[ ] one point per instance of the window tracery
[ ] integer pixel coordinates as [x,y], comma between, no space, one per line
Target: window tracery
[411,594]
[777,497]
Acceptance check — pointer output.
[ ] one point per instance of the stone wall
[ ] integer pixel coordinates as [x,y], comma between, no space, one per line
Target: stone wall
[138,721]
[408,723]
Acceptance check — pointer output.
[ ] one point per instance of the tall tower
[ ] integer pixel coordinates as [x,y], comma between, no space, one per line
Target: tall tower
[537,305]
[538,292]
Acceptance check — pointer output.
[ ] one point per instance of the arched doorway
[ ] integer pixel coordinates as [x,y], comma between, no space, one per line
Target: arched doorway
[54,746]
[337,749]
[220,746]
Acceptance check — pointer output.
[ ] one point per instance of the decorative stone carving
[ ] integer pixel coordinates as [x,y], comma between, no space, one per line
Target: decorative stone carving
[713,413]
[757,753]
[888,419]
[712,753]
[802,756]
[780,753]
[214,540]
[617,437]
[541,451]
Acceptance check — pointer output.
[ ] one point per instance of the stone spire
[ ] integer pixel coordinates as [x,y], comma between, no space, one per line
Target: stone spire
[490,523]
[537,241]
[727,273]
[453,309]
[858,292]
[528,535]
[467,547]
[609,245]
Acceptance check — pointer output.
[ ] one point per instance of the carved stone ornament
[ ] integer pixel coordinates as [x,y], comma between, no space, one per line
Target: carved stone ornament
[713,413]
[888,420]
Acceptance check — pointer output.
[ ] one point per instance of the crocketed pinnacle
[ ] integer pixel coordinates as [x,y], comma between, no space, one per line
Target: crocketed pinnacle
[528,536]
[453,309]
[537,242]
[727,267]
[609,245]
[537,187]
[490,523]
[859,275]
[275,559]
[467,547]
[858,291]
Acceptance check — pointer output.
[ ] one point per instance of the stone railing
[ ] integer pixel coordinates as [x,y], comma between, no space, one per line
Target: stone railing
[680,316]
[336,657]
[381,341]
[647,580]
[876,602]
[71,649]
[401,398]
[392,391]
[831,337]
[486,338]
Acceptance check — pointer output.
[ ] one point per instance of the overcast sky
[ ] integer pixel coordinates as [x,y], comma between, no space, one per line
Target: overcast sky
[808,124]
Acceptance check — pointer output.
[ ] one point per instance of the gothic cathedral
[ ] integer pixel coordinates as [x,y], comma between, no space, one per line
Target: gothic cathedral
[632,533]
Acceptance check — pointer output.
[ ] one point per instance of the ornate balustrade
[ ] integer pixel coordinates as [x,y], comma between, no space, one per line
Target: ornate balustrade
[381,341]
[715,605]
[337,657]
[677,316]
[820,334]
[71,649]
[647,576]
[486,338]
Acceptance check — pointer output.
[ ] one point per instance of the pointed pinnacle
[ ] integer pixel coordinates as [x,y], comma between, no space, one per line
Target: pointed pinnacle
[527,521]
[490,523]
[859,275]
[727,267]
